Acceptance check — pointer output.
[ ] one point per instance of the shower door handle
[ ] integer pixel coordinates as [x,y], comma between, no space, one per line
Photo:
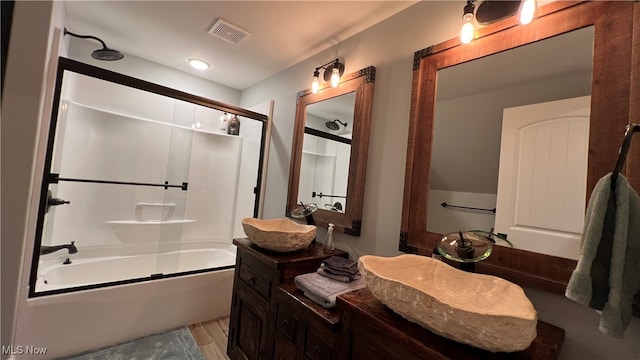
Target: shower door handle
[51,201]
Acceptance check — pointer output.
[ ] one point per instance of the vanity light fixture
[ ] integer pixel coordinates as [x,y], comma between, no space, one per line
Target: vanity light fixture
[490,11]
[198,64]
[467,33]
[333,70]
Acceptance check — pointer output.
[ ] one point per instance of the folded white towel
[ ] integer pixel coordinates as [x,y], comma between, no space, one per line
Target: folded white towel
[323,290]
[586,285]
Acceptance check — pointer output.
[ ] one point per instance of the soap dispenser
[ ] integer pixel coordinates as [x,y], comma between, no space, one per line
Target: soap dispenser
[327,243]
[224,123]
[234,126]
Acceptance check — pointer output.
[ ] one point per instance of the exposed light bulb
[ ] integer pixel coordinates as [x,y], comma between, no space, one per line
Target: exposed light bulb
[315,85]
[467,32]
[527,11]
[335,77]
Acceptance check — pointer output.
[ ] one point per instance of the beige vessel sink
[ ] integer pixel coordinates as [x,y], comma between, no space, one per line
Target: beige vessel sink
[281,235]
[483,311]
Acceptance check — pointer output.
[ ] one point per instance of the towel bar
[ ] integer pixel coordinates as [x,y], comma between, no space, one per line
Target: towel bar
[444,204]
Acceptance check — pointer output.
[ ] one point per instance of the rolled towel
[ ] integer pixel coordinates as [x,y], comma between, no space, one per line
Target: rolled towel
[343,278]
[323,290]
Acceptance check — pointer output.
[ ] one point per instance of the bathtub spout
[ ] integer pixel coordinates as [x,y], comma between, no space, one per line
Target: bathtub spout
[49,249]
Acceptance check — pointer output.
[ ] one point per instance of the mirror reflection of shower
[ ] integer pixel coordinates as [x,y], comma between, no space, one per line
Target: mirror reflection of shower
[326,151]
[333,125]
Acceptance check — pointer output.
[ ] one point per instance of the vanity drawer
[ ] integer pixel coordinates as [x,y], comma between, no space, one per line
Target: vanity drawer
[315,348]
[283,350]
[286,324]
[257,282]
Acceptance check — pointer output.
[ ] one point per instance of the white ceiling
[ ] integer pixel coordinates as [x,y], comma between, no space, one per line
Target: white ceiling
[283,32]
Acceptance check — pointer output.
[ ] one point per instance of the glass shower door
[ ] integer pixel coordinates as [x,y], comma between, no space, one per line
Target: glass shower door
[113,172]
[139,183]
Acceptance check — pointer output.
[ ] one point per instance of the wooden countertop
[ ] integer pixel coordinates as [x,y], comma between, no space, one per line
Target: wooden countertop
[371,311]
[285,259]
[327,315]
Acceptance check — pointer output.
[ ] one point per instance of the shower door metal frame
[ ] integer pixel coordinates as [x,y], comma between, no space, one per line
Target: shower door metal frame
[48,178]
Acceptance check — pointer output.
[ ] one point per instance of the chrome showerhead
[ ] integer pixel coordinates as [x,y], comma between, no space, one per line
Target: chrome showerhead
[104,54]
[332,125]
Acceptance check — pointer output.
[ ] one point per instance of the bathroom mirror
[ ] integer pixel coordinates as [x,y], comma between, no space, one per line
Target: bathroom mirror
[326,149]
[470,110]
[610,110]
[329,152]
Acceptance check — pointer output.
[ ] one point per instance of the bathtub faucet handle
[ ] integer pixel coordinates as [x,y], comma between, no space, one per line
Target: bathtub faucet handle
[53,201]
[50,249]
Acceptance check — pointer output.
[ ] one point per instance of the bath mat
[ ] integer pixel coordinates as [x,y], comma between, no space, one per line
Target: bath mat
[171,345]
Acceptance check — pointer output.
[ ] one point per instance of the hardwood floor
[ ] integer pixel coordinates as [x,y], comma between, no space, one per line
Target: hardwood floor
[211,336]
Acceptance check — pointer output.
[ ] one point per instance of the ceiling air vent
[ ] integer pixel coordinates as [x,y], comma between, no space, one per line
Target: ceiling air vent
[228,32]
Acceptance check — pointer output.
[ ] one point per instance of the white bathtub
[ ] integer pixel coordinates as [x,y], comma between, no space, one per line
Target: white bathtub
[74,322]
[118,268]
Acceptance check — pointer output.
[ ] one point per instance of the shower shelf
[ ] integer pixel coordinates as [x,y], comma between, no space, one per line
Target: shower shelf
[318,154]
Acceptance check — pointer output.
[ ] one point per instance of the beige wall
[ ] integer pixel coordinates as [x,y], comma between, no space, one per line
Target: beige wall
[389,46]
[22,106]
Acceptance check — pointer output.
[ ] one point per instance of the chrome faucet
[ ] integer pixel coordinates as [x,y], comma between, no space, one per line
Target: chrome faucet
[49,249]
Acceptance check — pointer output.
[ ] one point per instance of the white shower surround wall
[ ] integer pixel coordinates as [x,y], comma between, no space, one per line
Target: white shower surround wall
[141,150]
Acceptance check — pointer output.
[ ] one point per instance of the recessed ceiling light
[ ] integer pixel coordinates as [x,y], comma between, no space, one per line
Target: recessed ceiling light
[198,64]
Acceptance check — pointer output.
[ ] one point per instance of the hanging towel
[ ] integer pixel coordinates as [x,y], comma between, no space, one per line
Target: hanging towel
[323,290]
[608,272]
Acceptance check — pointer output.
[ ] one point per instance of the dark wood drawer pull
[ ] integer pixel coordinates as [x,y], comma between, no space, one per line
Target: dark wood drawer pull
[251,280]
[284,325]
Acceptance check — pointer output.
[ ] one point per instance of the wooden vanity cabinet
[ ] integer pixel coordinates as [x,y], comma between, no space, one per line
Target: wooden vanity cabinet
[304,329]
[253,331]
[372,331]
[272,319]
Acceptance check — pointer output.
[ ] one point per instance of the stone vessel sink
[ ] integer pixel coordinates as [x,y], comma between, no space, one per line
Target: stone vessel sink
[281,235]
[483,311]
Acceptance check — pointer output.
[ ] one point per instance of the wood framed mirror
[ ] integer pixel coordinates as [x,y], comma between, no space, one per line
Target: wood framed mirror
[329,152]
[613,91]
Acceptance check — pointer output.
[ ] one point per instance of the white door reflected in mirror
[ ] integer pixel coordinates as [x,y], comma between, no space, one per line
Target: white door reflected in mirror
[543,176]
